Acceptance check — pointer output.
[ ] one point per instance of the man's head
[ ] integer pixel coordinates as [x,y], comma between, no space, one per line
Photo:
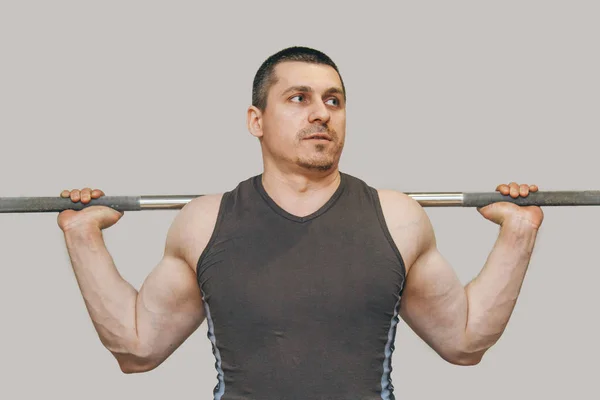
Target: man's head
[298,110]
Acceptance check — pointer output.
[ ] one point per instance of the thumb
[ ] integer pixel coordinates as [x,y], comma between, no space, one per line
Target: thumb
[106,216]
[494,212]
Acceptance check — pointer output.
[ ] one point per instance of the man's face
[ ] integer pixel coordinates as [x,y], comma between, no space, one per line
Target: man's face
[304,123]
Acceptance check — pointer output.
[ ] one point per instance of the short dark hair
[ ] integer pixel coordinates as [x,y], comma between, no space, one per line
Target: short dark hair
[265,76]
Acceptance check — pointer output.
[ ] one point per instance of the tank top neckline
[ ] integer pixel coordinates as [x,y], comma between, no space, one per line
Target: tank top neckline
[282,212]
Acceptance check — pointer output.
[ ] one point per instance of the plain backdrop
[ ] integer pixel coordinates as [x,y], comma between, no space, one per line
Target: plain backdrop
[150,97]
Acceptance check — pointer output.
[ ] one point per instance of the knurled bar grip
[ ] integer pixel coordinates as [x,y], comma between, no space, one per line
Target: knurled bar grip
[556,198]
[57,204]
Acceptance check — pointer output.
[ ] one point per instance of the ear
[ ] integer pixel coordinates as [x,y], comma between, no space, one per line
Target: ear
[254,122]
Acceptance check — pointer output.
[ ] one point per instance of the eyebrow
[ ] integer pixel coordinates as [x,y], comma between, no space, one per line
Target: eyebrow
[308,89]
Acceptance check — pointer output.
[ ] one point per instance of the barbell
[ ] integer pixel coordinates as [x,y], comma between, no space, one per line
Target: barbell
[166,202]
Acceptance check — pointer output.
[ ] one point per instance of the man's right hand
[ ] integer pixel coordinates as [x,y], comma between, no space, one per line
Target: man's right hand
[94,217]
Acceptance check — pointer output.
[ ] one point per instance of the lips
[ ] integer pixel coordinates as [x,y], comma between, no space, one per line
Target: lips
[319,136]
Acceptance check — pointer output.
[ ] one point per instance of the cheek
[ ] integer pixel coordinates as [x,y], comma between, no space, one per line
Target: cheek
[340,118]
[286,127]
[340,126]
[280,138]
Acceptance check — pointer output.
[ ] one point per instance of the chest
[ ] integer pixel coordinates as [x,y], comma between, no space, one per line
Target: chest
[319,270]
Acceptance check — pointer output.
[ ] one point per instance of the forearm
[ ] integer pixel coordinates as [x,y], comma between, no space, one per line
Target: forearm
[492,295]
[110,300]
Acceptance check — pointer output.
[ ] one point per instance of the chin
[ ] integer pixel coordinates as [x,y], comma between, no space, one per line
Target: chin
[318,161]
[314,165]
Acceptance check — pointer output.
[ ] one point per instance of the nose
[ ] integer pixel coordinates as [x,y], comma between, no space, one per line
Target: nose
[319,113]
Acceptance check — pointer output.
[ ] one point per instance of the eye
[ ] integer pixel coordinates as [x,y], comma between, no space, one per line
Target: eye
[335,100]
[300,98]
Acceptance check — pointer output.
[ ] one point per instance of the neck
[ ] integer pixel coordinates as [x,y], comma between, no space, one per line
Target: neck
[300,192]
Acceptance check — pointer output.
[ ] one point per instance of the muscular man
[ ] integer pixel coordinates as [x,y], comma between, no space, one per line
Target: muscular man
[302,271]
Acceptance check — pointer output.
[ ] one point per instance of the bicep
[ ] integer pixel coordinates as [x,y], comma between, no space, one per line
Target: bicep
[434,302]
[169,307]
[433,299]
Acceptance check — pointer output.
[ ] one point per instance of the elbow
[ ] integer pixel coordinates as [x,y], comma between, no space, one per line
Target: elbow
[129,367]
[134,362]
[464,358]
[469,351]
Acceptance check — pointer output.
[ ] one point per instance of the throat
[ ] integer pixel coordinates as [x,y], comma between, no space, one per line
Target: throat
[300,200]
[302,207]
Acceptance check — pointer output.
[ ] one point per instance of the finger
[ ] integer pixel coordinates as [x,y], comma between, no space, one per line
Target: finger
[75,195]
[503,188]
[97,193]
[523,190]
[86,195]
[514,190]
[533,188]
[65,193]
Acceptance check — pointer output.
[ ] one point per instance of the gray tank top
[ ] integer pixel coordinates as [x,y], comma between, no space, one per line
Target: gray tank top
[302,307]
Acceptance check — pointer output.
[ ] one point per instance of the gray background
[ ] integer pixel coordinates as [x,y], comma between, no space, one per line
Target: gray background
[148,97]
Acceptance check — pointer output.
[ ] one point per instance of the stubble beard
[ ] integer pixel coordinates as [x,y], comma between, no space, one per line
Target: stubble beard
[326,156]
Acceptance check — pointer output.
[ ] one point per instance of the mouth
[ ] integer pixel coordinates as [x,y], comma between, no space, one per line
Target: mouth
[319,136]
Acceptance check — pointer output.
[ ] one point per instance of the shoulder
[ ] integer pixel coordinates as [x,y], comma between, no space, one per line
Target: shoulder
[400,205]
[408,223]
[201,208]
[193,227]
[397,207]
[400,210]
